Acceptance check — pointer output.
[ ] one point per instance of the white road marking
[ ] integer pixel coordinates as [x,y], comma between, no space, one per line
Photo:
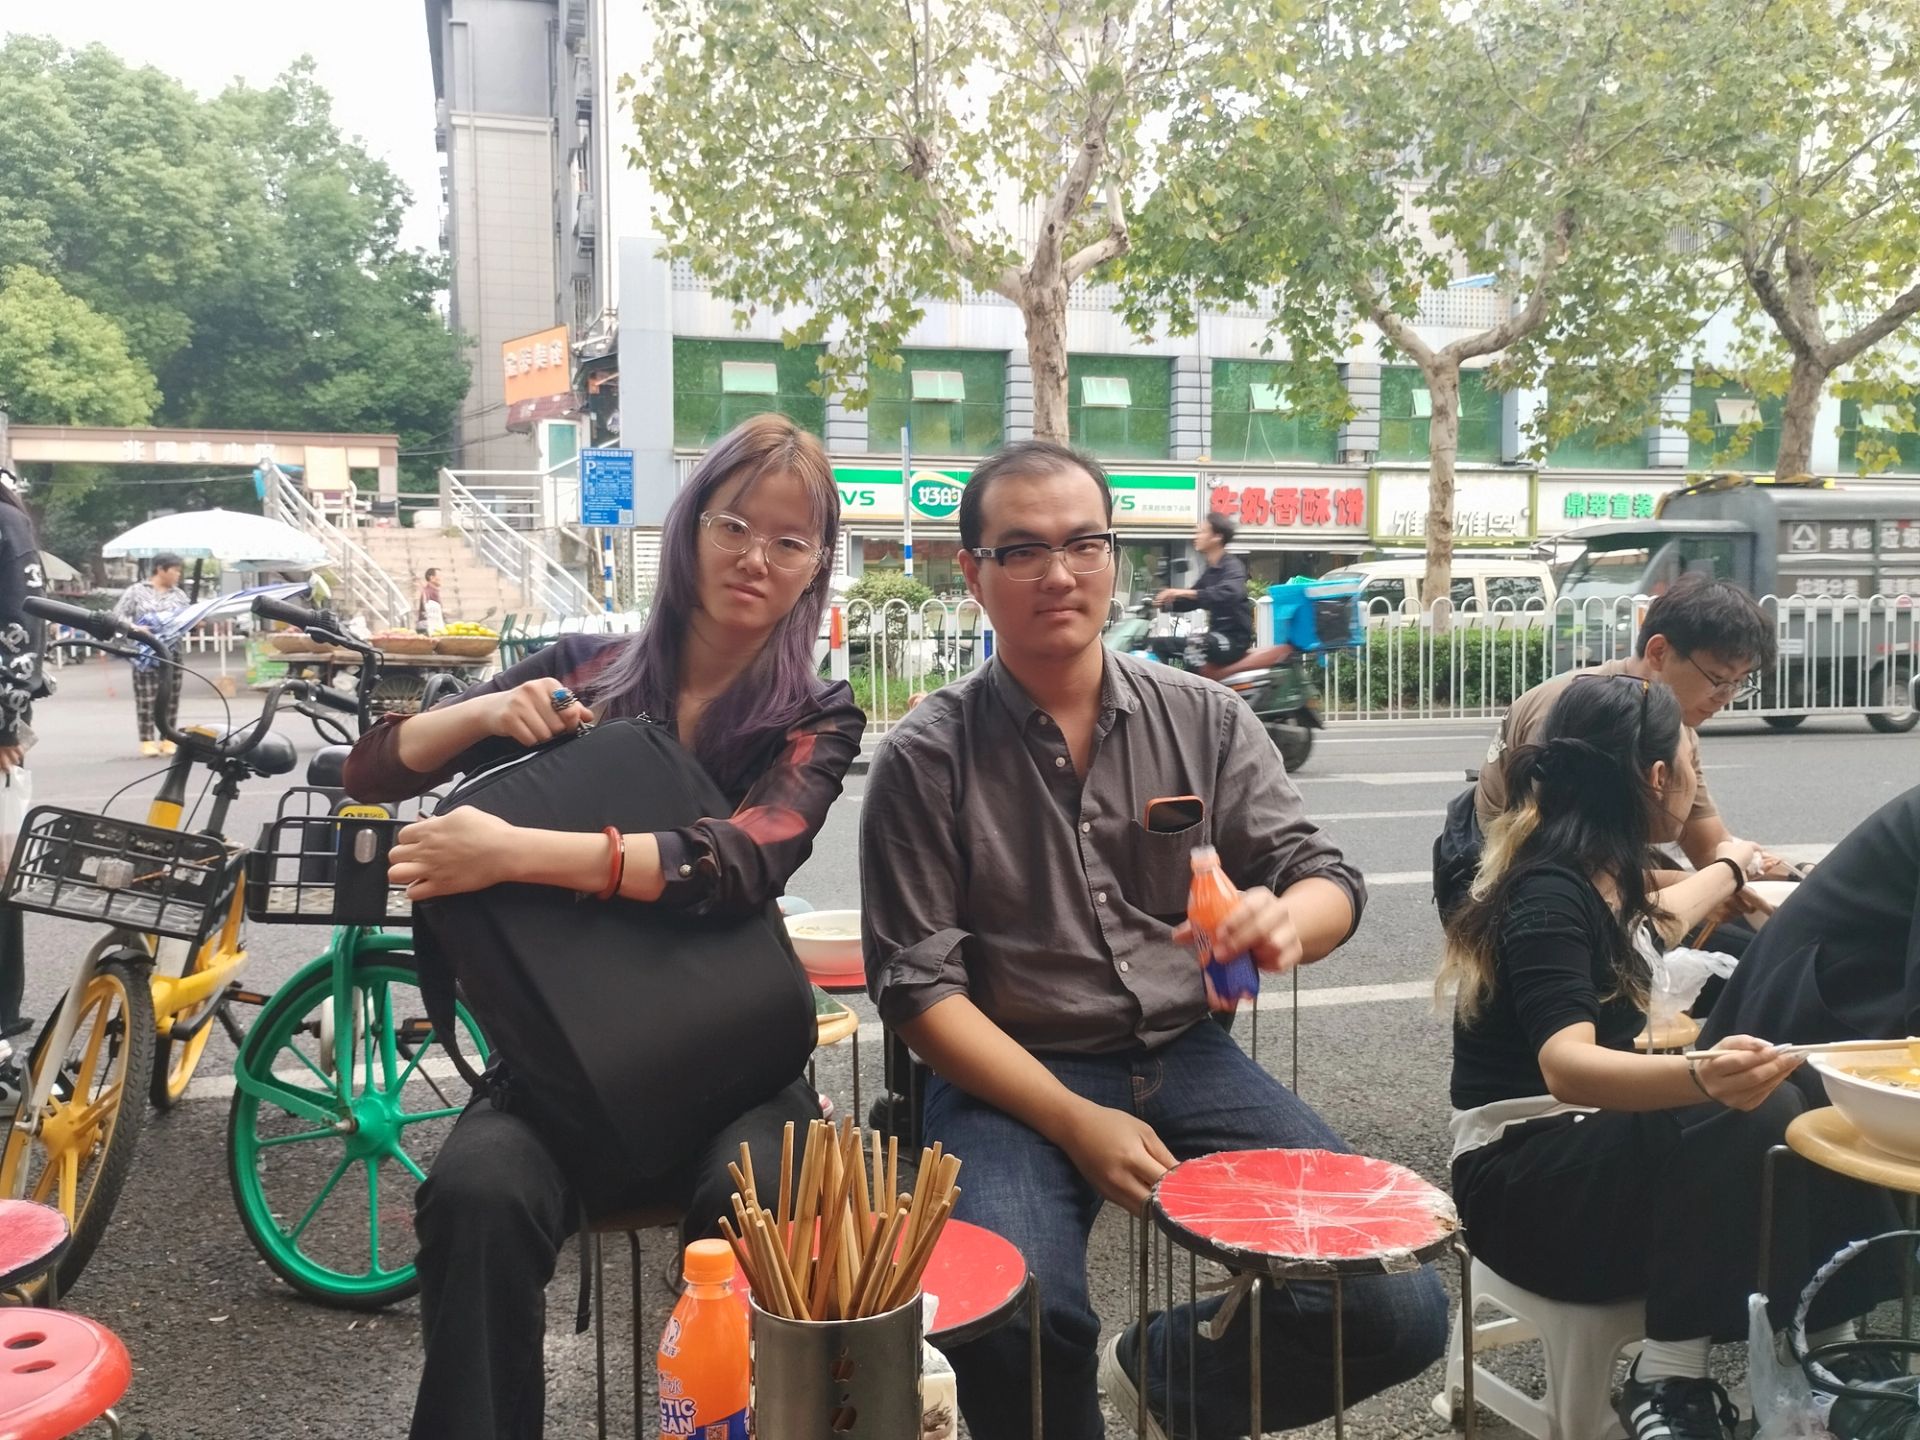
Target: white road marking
[1376,879]
[1388,739]
[1377,815]
[1455,776]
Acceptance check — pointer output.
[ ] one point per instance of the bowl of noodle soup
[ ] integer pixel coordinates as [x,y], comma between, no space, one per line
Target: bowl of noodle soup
[1879,1091]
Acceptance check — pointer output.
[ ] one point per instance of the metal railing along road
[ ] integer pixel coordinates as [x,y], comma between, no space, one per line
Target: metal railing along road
[1850,656]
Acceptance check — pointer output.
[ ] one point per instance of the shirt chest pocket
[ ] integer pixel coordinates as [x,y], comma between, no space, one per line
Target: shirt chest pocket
[1162,872]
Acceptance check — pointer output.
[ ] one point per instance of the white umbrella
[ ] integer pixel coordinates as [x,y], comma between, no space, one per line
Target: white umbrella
[238,541]
[57,570]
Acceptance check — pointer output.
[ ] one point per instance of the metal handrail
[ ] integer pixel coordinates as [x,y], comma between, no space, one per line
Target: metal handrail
[544,582]
[364,586]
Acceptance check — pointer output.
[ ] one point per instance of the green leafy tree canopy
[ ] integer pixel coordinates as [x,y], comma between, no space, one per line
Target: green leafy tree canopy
[64,363]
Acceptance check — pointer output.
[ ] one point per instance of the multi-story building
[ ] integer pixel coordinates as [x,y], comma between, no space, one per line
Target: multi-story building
[1187,423]
[518,93]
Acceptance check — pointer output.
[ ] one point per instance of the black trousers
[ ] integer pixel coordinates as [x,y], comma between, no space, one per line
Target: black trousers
[491,1221]
[1609,1206]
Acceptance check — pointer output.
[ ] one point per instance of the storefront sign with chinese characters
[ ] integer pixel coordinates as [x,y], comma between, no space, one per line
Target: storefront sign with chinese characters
[870,495]
[538,371]
[1287,507]
[1564,505]
[1489,508]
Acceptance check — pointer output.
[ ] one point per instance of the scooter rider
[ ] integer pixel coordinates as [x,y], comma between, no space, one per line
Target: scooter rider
[1221,592]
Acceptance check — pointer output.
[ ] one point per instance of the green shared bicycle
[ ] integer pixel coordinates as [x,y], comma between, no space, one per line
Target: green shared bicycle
[342,1089]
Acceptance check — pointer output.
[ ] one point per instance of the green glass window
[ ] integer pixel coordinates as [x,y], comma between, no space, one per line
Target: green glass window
[1858,422]
[719,383]
[1250,419]
[1584,450]
[1120,406]
[956,401]
[1406,415]
[1729,411]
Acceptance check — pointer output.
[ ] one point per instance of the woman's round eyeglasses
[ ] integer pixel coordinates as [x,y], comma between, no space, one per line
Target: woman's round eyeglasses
[1031,560]
[784,552]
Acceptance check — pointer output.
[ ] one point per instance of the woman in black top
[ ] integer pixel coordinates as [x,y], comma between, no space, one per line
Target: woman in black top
[21,684]
[1583,1171]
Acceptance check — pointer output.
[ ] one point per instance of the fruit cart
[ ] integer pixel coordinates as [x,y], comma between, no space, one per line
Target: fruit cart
[408,663]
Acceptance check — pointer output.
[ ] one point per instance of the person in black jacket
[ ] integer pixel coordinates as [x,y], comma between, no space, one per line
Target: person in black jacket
[1221,592]
[21,642]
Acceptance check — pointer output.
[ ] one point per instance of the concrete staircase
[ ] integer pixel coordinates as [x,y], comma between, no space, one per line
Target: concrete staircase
[470,589]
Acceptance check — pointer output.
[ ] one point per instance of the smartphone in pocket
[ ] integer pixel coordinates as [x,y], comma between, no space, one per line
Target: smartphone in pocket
[1170,814]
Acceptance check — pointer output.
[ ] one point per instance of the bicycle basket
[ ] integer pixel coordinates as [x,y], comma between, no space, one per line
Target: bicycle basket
[82,866]
[318,867]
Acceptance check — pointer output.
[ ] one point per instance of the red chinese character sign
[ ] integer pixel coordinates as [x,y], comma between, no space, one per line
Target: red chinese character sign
[1291,506]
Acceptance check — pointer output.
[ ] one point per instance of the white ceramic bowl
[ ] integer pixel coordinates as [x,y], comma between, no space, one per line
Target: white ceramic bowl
[828,944]
[1775,892]
[1887,1116]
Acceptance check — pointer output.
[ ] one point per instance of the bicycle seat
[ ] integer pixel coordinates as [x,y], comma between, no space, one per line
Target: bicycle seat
[328,768]
[274,755]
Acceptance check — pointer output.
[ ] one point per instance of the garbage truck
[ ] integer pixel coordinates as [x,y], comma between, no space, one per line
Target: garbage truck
[1837,567]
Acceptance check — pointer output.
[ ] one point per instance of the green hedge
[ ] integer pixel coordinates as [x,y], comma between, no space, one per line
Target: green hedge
[1409,666]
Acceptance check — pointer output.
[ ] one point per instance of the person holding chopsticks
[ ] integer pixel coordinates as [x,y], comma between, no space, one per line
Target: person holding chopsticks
[1583,1171]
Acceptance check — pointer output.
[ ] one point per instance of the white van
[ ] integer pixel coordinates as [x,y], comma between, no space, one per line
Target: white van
[1482,585]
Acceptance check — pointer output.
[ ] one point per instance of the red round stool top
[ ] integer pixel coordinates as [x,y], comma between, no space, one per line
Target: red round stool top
[33,1237]
[58,1372]
[1297,1214]
[979,1279]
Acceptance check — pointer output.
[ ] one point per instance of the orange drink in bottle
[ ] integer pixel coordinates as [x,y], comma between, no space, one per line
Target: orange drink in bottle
[703,1361]
[1229,978]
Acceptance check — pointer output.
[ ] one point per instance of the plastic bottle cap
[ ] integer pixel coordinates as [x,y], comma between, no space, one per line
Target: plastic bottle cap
[1205,857]
[709,1262]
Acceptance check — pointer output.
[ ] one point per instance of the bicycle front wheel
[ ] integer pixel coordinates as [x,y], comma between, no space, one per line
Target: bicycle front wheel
[78,1157]
[329,1203]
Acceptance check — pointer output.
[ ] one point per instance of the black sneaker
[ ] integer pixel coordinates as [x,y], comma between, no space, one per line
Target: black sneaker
[1675,1409]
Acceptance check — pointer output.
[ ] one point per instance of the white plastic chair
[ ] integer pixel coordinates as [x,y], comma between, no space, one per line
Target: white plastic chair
[1581,1345]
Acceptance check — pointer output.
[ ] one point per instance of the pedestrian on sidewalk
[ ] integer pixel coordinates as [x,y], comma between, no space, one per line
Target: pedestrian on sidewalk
[428,617]
[148,603]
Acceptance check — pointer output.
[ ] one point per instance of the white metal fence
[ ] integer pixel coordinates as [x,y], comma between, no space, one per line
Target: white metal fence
[1836,656]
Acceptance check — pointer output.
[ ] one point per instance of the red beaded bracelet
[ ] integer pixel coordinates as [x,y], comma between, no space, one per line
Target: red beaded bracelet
[616,862]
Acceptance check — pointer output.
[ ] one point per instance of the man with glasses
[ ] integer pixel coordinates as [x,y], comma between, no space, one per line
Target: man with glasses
[1704,639]
[1023,900]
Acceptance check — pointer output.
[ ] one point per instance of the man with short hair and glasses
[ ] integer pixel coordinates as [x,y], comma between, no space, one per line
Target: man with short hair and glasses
[1706,640]
[1023,919]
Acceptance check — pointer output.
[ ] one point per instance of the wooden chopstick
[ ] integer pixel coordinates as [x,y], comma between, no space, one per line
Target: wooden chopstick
[1823,1048]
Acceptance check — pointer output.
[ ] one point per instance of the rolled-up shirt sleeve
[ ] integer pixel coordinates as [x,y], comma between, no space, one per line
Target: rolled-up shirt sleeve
[737,863]
[911,873]
[1264,836]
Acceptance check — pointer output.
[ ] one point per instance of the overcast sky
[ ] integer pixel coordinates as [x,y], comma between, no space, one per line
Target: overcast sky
[372,57]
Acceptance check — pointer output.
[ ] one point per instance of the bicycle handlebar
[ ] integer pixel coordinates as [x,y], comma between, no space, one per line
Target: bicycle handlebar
[93,622]
[298,616]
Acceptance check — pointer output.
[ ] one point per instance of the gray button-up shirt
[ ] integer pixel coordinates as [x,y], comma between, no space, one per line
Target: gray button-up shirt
[989,868]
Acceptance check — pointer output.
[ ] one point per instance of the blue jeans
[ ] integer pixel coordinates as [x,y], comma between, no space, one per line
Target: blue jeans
[1201,1094]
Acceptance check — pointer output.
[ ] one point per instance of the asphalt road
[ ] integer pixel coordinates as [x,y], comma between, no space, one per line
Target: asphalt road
[222,1349]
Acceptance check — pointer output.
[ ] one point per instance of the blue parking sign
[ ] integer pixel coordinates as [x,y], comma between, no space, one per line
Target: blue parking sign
[606,487]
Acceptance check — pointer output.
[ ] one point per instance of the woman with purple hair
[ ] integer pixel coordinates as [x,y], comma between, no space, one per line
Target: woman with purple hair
[726,659]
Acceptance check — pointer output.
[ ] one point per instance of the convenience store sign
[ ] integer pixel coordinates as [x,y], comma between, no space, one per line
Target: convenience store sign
[876,495]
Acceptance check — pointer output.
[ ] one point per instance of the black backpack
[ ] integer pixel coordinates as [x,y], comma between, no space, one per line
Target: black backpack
[631,1033]
[1456,854]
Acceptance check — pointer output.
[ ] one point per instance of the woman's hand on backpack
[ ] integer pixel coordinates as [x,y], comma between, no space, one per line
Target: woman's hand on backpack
[453,854]
[1741,1072]
[526,714]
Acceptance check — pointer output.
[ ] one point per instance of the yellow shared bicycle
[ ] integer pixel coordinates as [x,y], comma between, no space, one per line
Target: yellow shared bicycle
[146,994]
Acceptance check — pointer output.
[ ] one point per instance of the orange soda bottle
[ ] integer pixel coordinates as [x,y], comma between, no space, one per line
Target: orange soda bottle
[1229,978]
[703,1361]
